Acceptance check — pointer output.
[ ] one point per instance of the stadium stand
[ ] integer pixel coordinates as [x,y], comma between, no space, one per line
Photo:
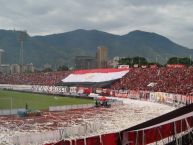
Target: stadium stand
[154,130]
[171,80]
[48,78]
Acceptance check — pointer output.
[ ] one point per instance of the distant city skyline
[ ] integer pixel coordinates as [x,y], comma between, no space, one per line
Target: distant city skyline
[170,18]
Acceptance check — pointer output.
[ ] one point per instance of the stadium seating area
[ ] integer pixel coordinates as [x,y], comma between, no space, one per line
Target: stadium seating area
[171,80]
[48,78]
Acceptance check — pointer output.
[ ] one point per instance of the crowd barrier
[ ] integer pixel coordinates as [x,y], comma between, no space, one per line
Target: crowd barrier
[69,107]
[16,87]
[35,138]
[10,111]
[61,134]
[81,106]
[159,97]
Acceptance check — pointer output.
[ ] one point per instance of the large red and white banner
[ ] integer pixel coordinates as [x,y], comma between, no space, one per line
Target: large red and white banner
[95,75]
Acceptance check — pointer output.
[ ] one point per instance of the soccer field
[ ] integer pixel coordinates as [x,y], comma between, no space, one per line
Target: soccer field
[36,101]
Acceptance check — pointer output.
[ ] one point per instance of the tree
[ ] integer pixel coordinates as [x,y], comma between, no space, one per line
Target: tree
[132,61]
[173,60]
[125,61]
[47,70]
[62,68]
[139,60]
[177,60]
[186,61]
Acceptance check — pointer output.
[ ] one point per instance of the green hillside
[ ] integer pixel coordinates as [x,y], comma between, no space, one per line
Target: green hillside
[58,49]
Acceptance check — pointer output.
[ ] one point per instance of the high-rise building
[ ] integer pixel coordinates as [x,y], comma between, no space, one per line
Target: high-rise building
[85,62]
[28,68]
[102,57]
[1,56]
[15,68]
[5,68]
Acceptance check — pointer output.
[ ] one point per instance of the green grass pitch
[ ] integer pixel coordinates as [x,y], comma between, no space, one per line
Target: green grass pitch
[36,101]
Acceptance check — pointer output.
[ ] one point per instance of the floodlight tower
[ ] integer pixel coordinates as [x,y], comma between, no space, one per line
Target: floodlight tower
[22,38]
[1,56]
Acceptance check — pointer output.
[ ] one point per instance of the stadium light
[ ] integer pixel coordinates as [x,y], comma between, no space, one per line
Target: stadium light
[22,38]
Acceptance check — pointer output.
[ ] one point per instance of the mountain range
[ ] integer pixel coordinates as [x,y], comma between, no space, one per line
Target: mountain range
[59,49]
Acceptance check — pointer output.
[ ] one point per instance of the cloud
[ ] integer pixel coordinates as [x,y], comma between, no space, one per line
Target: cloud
[172,19]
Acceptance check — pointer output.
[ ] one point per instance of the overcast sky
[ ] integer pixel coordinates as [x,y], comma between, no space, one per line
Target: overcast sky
[171,18]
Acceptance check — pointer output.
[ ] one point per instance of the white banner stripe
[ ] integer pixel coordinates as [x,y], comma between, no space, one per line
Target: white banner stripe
[94,77]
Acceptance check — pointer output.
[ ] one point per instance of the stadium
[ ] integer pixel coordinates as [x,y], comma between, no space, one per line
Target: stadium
[148,106]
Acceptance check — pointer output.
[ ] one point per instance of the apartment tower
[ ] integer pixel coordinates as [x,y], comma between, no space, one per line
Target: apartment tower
[102,57]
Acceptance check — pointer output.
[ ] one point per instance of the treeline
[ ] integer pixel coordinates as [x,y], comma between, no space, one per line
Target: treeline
[60,68]
[140,61]
[143,61]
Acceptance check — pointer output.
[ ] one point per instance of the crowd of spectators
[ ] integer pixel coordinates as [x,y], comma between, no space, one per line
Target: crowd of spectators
[41,78]
[171,80]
